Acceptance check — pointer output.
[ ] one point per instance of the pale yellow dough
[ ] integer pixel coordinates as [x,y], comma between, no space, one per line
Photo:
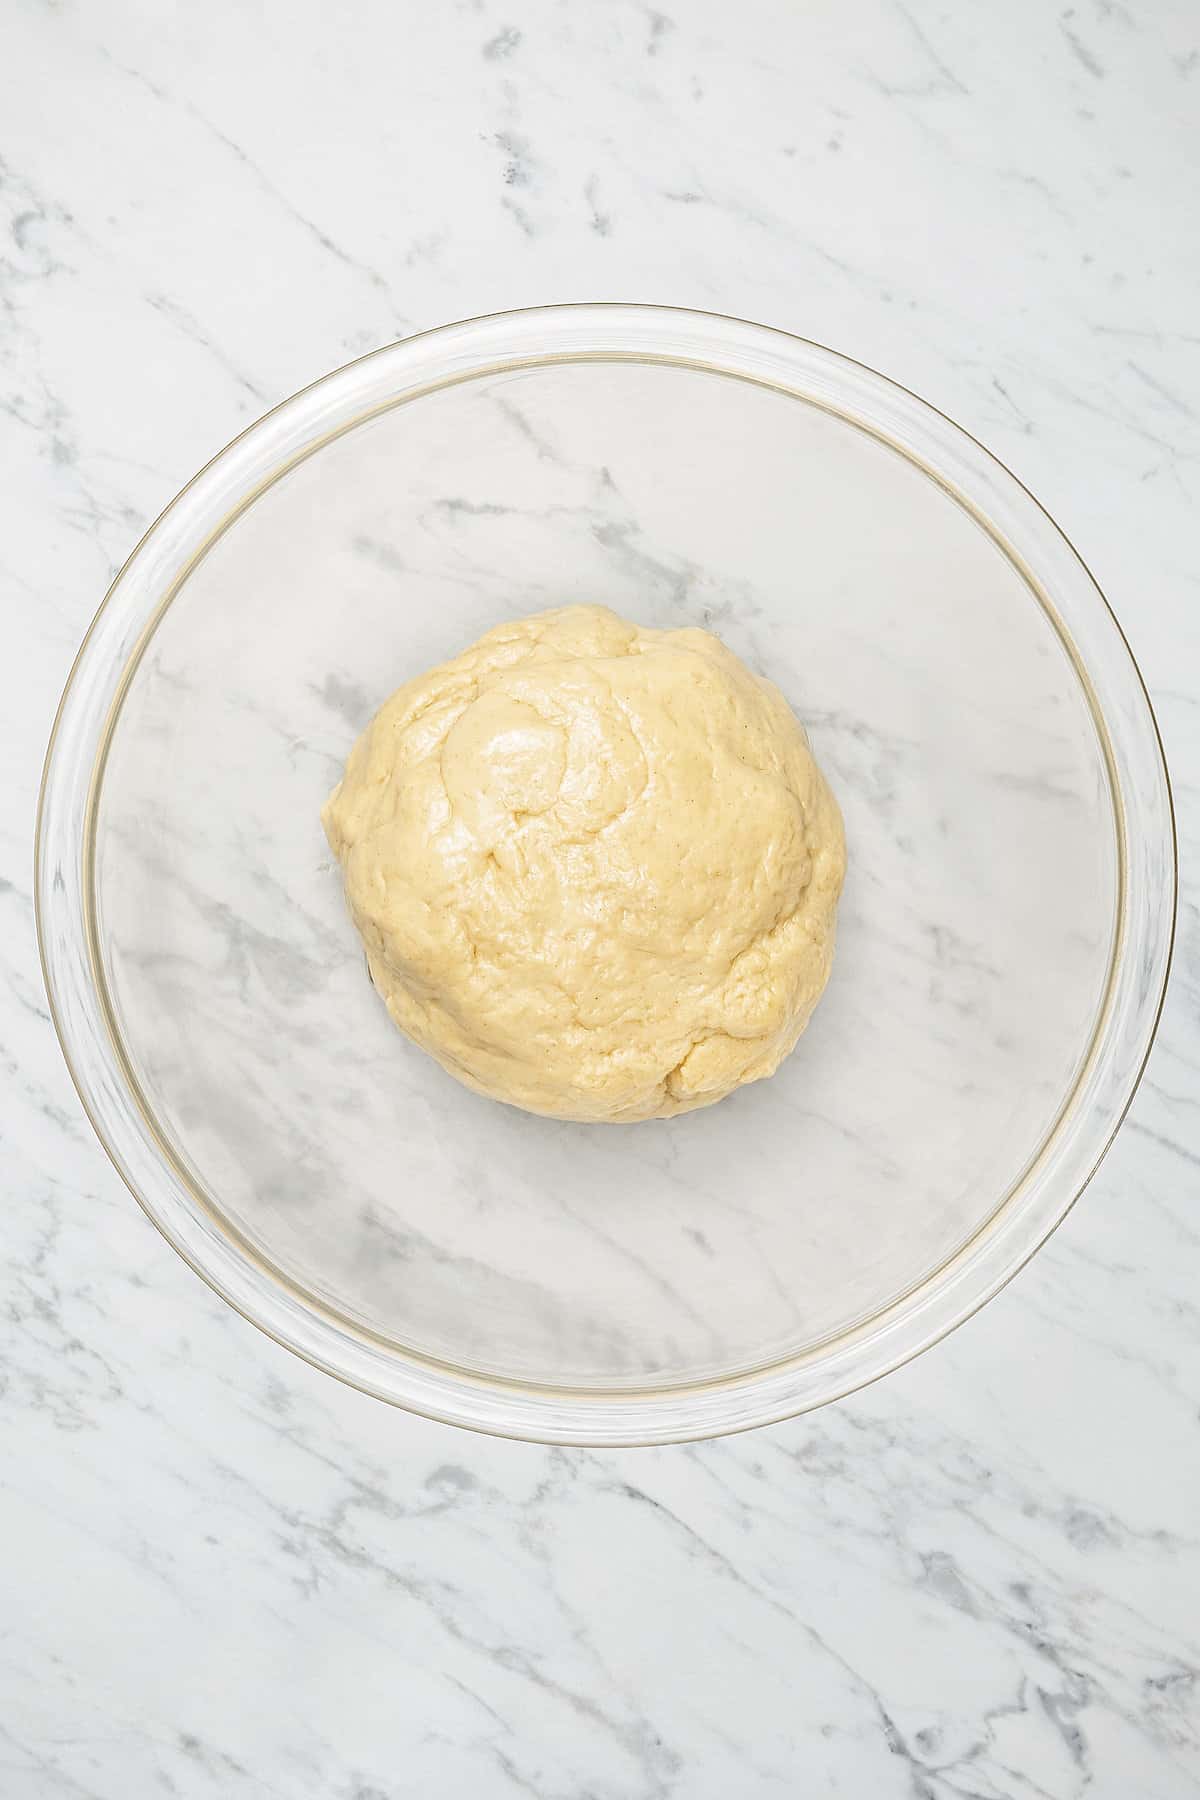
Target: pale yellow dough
[595,867]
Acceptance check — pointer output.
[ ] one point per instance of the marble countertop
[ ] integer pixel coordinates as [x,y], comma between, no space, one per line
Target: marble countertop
[220,1573]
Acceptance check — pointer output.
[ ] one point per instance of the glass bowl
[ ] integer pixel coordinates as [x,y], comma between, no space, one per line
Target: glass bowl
[1004,934]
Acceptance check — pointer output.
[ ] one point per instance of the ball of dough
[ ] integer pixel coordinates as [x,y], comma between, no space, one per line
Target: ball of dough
[595,867]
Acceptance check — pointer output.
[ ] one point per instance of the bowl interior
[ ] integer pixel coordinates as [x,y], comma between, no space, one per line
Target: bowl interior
[976,932]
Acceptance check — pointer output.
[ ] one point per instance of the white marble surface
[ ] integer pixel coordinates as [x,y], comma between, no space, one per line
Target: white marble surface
[221,1574]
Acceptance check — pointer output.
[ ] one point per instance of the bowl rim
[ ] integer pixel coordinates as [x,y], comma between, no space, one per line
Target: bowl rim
[301,1322]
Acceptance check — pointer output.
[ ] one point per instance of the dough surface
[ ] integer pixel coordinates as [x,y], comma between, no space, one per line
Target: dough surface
[595,867]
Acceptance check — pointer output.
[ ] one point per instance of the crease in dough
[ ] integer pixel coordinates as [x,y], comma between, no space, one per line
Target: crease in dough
[594,866]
